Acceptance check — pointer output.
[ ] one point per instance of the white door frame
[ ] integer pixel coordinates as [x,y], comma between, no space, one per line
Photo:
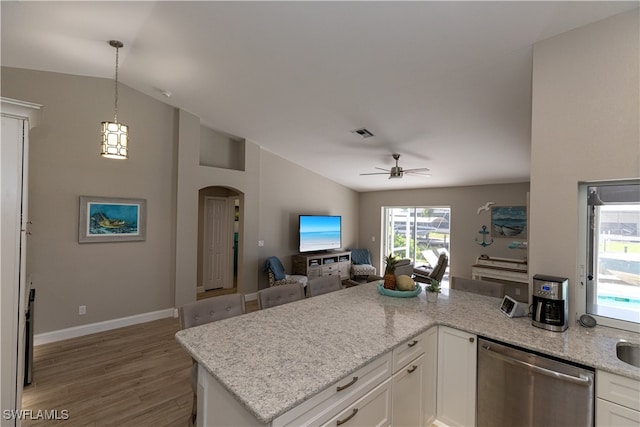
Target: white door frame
[17,118]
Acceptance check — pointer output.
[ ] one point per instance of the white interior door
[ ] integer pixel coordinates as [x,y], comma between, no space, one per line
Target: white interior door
[218,244]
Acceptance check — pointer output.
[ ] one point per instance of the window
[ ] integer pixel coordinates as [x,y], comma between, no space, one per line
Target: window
[419,233]
[613,251]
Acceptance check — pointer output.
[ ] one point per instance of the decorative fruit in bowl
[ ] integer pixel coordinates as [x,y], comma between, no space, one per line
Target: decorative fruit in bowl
[405,283]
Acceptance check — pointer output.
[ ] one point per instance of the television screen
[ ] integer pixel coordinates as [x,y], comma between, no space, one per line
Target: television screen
[320,232]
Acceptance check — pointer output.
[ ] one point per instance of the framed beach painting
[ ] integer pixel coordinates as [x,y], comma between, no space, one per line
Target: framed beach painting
[111,219]
[509,221]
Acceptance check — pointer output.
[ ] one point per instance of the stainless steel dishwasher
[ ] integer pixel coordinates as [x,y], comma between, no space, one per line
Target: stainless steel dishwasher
[519,388]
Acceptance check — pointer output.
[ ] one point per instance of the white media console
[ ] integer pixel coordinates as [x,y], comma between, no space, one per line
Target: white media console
[315,265]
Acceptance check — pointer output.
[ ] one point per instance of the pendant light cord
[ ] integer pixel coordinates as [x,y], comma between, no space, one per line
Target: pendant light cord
[115,118]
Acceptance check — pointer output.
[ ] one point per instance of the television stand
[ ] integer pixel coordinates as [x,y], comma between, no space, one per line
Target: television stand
[314,265]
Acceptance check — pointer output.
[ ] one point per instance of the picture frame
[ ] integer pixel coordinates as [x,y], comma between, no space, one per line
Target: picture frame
[509,221]
[111,219]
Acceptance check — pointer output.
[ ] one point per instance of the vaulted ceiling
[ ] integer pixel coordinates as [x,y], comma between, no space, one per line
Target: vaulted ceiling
[445,84]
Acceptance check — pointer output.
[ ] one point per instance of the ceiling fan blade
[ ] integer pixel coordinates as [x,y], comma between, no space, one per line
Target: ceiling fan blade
[382,169]
[376,173]
[417,170]
[422,174]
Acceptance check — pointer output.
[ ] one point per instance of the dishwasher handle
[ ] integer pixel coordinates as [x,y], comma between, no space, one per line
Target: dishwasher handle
[584,380]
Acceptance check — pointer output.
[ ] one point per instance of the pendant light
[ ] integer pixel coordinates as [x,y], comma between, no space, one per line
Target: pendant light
[115,136]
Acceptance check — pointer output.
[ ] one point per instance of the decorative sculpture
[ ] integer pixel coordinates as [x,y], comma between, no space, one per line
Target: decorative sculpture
[484,233]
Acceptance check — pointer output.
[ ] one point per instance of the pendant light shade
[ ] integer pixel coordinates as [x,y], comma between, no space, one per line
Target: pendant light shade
[115,136]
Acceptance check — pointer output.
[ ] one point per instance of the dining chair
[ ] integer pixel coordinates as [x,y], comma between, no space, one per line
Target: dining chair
[278,295]
[322,285]
[205,311]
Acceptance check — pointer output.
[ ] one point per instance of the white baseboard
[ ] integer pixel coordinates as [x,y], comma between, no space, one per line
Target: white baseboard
[107,325]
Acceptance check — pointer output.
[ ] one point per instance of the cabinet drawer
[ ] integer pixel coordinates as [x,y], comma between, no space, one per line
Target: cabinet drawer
[329,269]
[609,414]
[337,397]
[408,350]
[618,389]
[373,409]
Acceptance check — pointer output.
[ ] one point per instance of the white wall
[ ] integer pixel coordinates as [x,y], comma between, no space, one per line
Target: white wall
[122,280]
[288,190]
[113,280]
[585,127]
[465,221]
[191,178]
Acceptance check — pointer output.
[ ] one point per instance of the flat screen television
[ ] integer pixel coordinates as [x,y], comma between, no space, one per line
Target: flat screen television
[320,232]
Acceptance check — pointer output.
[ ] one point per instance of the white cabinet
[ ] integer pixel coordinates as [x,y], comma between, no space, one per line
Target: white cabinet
[618,400]
[414,380]
[609,414]
[430,376]
[367,391]
[408,394]
[317,265]
[17,118]
[456,396]
[398,389]
[373,409]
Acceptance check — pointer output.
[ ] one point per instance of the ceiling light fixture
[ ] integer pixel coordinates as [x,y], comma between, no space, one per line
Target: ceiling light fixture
[115,136]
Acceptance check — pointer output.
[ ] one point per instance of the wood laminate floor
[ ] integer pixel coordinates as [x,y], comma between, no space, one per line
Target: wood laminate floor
[132,376]
[136,376]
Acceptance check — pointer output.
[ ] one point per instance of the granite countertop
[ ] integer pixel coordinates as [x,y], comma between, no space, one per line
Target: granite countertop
[272,360]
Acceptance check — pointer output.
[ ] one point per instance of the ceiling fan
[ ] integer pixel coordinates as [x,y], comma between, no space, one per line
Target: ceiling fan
[398,172]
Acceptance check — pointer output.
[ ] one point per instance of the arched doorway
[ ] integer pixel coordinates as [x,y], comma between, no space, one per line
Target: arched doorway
[219,248]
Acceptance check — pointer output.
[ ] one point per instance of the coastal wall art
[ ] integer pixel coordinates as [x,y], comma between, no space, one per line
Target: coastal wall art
[509,221]
[111,219]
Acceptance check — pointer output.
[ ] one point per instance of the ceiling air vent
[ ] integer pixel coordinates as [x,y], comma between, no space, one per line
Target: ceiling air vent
[362,132]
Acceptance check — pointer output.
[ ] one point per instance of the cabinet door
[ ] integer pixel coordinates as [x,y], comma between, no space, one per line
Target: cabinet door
[609,414]
[430,375]
[373,409]
[345,270]
[408,394]
[456,377]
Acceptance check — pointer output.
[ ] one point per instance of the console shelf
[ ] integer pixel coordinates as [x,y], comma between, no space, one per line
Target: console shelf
[323,264]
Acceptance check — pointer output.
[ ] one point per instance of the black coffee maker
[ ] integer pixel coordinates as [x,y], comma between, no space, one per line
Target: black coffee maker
[550,308]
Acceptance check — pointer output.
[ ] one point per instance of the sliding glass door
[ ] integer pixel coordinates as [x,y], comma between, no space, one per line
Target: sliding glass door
[419,233]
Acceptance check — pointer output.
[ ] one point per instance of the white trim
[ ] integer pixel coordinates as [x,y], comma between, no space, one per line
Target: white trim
[107,325]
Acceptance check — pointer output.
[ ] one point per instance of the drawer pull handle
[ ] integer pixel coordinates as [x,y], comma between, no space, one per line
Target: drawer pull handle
[351,415]
[411,369]
[471,339]
[411,344]
[342,387]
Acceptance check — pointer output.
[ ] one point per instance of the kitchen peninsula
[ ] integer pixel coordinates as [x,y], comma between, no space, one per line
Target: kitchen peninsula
[270,362]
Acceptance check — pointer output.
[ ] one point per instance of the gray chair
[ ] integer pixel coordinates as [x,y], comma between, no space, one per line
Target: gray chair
[483,287]
[361,264]
[277,276]
[205,311]
[279,295]
[436,274]
[322,285]
[404,266]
